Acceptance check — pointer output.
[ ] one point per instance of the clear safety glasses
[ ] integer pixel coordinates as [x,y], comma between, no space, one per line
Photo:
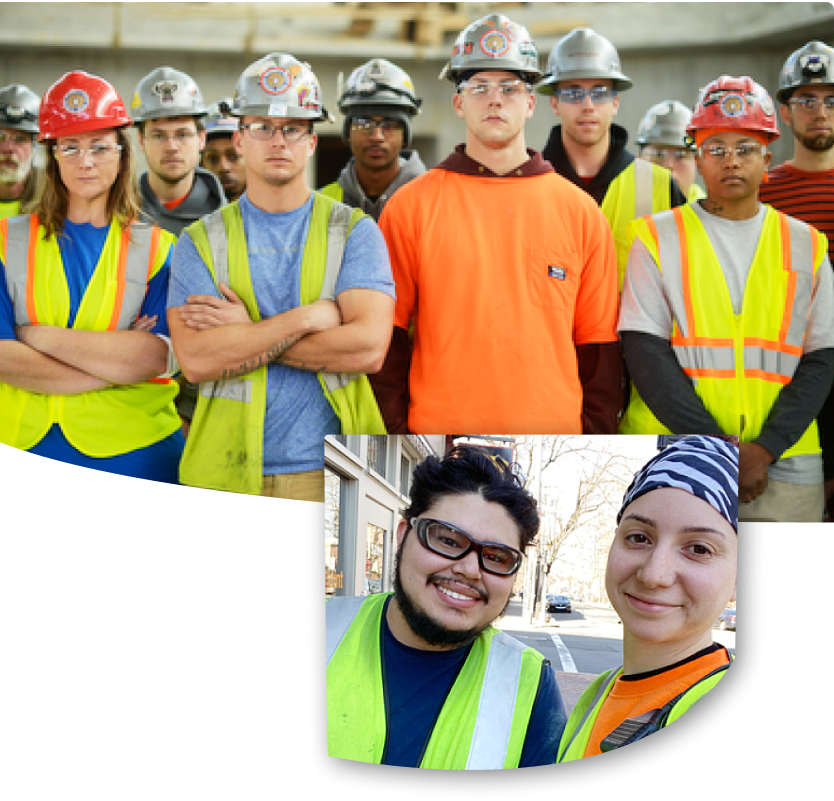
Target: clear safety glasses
[577,94]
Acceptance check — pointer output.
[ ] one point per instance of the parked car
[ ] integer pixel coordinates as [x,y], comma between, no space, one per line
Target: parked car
[727,620]
[558,603]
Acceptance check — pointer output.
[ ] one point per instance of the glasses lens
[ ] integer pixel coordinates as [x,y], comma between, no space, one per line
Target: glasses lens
[455,544]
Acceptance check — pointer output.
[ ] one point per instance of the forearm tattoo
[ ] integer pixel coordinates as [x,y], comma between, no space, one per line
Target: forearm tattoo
[272,355]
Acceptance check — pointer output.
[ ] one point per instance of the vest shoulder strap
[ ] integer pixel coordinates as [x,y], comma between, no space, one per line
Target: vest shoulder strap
[340,613]
[643,185]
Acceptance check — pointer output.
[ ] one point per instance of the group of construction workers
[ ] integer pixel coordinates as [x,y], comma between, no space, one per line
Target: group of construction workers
[563,263]
[208,323]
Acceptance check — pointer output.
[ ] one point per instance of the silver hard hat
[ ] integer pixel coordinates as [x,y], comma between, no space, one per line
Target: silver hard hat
[665,124]
[494,42]
[166,92]
[279,85]
[19,107]
[811,65]
[581,54]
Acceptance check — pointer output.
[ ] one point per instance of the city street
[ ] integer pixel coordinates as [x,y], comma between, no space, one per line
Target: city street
[580,644]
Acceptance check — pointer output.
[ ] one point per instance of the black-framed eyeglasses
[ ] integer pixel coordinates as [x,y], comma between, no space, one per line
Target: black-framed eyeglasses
[451,542]
[263,131]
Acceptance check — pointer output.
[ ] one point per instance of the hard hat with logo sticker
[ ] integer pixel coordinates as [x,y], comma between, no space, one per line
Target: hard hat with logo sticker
[494,42]
[735,104]
[811,65]
[278,85]
[79,103]
[379,88]
[665,124]
[19,108]
[582,54]
[166,92]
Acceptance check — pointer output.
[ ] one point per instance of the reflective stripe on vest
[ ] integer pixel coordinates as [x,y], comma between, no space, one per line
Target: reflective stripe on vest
[101,423]
[704,356]
[137,250]
[640,189]
[495,729]
[584,716]
[225,448]
[738,363]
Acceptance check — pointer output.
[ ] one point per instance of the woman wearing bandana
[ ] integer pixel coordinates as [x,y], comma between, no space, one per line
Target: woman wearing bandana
[671,571]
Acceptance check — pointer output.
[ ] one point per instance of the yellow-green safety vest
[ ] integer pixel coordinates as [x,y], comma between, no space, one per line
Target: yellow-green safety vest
[224,448]
[640,189]
[483,722]
[334,190]
[738,364]
[9,208]
[103,423]
[584,715]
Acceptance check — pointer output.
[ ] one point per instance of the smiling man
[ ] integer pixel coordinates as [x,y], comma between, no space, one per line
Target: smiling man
[727,320]
[671,571]
[506,271]
[420,678]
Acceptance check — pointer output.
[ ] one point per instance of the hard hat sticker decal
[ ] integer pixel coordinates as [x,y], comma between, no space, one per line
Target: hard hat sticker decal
[275,81]
[76,101]
[495,43]
[166,91]
[733,105]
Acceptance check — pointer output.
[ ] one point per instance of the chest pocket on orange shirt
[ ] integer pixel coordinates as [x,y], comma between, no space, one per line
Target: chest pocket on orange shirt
[553,277]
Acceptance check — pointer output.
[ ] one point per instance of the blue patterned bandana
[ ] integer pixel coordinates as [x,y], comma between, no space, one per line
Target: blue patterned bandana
[707,467]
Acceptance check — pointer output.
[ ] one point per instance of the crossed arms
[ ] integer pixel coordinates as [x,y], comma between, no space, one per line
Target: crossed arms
[63,361]
[216,338]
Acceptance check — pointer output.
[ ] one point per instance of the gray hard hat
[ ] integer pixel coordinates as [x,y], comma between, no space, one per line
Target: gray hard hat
[665,124]
[279,85]
[166,92]
[812,64]
[494,42]
[379,88]
[19,107]
[581,54]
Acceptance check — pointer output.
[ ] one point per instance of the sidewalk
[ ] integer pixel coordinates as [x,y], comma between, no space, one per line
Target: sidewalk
[571,685]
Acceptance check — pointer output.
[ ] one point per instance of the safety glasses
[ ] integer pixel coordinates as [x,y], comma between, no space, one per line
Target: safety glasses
[576,94]
[451,542]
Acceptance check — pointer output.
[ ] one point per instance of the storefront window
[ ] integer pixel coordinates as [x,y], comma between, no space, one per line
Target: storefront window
[333,570]
[373,559]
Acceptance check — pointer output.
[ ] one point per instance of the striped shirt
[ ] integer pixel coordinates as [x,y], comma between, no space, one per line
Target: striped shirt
[808,196]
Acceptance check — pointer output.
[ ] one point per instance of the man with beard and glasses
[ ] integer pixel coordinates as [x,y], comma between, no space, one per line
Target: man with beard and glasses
[19,179]
[803,187]
[420,678]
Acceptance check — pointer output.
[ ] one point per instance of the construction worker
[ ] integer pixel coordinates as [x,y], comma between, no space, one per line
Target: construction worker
[261,316]
[584,80]
[803,187]
[671,571]
[167,111]
[19,179]
[513,312]
[378,102]
[420,678]
[219,155]
[85,361]
[727,322]
[662,138]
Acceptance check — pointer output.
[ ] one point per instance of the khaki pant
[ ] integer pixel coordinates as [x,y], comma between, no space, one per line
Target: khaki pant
[785,503]
[307,486]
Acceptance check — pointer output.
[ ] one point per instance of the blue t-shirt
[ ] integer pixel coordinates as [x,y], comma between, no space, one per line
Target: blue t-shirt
[416,684]
[81,245]
[298,416]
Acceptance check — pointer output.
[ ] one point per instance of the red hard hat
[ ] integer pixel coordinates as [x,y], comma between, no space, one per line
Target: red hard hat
[735,104]
[77,103]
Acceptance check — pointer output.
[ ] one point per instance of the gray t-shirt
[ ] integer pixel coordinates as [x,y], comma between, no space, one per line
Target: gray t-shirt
[644,306]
